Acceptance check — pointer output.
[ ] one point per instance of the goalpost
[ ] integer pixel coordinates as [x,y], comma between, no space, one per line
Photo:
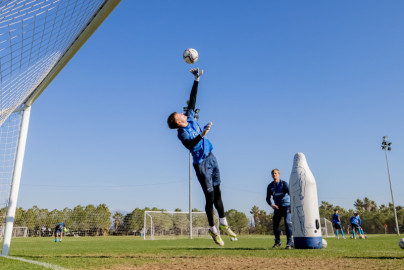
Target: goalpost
[173,225]
[37,39]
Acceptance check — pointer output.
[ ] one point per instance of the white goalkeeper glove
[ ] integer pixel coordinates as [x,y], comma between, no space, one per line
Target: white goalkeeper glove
[206,129]
[196,73]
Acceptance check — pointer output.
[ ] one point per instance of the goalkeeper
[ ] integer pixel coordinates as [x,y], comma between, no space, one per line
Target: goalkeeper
[59,231]
[206,167]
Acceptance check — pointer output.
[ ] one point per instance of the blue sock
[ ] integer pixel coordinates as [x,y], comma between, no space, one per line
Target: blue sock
[342,232]
[353,233]
[336,232]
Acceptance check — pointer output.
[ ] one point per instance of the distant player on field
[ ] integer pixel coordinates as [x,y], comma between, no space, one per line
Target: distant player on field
[355,225]
[206,167]
[59,231]
[337,224]
[279,191]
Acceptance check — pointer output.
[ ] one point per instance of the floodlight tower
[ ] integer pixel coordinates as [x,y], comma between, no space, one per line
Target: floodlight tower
[196,115]
[386,146]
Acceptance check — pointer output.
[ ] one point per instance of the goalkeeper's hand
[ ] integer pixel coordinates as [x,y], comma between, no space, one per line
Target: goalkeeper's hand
[206,129]
[196,73]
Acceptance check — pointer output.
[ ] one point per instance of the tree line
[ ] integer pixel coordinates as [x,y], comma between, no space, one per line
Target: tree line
[374,218]
[98,220]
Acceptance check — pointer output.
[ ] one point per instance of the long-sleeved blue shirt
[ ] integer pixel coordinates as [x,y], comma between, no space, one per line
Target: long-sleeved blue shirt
[279,192]
[190,136]
[354,220]
[335,218]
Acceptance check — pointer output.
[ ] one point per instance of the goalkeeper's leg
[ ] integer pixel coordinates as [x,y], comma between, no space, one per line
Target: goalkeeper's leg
[224,226]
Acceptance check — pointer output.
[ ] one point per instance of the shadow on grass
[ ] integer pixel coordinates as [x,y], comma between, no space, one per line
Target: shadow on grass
[375,258]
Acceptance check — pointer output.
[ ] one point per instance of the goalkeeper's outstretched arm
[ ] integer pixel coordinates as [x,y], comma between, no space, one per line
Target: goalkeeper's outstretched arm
[194,91]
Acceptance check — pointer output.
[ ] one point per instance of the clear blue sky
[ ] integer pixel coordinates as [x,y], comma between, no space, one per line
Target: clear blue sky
[320,77]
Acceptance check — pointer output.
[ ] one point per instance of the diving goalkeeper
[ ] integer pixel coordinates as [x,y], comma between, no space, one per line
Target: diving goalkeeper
[206,167]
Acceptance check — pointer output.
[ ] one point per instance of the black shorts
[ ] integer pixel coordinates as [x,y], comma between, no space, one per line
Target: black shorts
[355,226]
[337,226]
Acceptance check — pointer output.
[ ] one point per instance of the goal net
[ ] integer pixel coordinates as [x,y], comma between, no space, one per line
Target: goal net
[173,225]
[17,232]
[37,39]
[327,230]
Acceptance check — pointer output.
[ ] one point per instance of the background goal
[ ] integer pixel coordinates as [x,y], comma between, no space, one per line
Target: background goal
[327,229]
[173,225]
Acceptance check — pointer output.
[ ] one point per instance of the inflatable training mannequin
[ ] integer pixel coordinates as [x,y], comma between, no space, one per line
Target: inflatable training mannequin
[306,226]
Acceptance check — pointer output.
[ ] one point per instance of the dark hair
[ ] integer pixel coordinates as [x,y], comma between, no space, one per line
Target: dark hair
[335,209]
[171,121]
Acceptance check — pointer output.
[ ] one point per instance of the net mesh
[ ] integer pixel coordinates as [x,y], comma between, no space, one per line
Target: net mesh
[34,35]
[172,225]
[327,229]
[9,134]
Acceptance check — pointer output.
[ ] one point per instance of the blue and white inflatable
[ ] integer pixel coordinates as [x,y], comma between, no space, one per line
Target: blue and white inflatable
[306,225]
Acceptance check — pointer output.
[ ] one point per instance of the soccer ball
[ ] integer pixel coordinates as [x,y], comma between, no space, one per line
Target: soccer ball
[64,229]
[190,56]
[324,243]
[361,237]
[401,243]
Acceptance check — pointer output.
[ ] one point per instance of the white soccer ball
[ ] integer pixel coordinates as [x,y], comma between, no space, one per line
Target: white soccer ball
[190,56]
[361,237]
[401,243]
[324,243]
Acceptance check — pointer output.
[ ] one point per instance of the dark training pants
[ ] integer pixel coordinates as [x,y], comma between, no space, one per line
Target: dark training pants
[283,211]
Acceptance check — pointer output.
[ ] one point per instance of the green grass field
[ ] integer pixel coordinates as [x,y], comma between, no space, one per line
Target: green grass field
[250,252]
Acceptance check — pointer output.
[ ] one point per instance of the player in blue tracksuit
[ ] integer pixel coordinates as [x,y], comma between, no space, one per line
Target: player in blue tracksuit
[205,164]
[355,225]
[337,224]
[59,232]
[359,224]
[279,191]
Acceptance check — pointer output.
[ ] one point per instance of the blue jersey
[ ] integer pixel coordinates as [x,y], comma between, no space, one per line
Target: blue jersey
[60,226]
[335,218]
[279,192]
[203,148]
[354,220]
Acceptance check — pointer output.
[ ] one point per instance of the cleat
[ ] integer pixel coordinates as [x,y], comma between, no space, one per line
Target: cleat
[276,245]
[227,230]
[216,237]
[288,247]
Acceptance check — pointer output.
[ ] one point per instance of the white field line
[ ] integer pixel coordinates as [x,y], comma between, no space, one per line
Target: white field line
[47,265]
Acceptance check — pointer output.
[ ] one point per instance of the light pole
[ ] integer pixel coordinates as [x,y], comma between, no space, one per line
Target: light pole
[196,115]
[386,146]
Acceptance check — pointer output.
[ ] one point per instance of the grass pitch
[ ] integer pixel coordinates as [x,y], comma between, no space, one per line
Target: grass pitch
[250,252]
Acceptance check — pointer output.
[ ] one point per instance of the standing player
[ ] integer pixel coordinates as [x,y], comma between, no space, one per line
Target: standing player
[360,225]
[355,225]
[337,224]
[59,231]
[205,164]
[279,190]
